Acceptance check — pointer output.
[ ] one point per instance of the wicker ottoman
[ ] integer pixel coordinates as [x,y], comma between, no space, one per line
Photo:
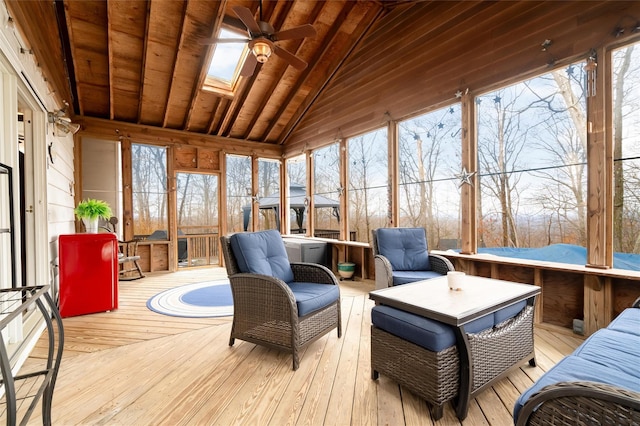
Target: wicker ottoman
[433,376]
[422,355]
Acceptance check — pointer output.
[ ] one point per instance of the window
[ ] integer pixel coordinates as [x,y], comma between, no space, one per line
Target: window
[149,183]
[238,193]
[326,194]
[197,218]
[225,62]
[297,175]
[626,157]
[429,160]
[269,193]
[368,184]
[532,163]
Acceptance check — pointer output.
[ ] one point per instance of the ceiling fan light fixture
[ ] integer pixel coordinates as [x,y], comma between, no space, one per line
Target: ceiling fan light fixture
[262,50]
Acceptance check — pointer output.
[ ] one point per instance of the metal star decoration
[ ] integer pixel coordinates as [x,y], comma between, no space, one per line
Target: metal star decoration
[465,177]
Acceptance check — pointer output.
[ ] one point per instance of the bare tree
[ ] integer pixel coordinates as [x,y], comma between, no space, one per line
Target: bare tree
[424,142]
[501,141]
[149,175]
[238,180]
[625,86]
[368,200]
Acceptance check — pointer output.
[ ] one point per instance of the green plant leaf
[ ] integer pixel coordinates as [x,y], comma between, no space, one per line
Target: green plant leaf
[92,208]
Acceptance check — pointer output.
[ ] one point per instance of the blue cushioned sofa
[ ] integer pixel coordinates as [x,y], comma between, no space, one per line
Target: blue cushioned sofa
[401,256]
[276,303]
[599,383]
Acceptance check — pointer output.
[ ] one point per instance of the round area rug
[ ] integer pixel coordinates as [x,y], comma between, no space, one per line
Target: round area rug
[198,300]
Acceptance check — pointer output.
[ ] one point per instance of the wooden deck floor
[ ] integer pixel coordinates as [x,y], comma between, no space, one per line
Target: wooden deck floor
[135,367]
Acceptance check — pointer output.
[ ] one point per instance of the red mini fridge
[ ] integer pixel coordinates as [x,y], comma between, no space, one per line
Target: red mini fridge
[88,273]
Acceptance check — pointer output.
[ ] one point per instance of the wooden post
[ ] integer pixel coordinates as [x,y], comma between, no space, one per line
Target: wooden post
[285,196]
[598,303]
[172,219]
[255,207]
[598,189]
[393,179]
[222,202]
[127,191]
[469,192]
[344,195]
[311,188]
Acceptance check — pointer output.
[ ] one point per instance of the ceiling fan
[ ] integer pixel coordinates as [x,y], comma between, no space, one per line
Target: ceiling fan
[262,38]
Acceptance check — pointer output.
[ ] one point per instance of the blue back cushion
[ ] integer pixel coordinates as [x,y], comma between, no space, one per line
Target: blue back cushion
[263,253]
[405,248]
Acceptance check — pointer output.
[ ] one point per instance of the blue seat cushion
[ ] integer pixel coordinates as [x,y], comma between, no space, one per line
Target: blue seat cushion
[405,248]
[574,368]
[613,349]
[628,321]
[508,312]
[429,334]
[406,277]
[311,297]
[263,253]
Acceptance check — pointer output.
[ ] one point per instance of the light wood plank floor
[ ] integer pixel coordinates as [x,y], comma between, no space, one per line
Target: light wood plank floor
[135,367]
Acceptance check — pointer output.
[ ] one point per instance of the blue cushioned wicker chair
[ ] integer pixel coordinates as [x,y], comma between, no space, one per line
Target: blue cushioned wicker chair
[401,256]
[278,304]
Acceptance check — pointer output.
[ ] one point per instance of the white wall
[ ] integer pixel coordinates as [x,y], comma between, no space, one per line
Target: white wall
[52,192]
[49,188]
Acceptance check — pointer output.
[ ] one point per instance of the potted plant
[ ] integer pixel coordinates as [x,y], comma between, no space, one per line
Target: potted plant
[90,210]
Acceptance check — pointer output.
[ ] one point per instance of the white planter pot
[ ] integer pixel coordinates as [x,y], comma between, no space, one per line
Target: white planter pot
[90,225]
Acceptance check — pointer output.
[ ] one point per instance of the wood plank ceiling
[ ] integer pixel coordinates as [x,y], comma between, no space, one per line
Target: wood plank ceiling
[142,62]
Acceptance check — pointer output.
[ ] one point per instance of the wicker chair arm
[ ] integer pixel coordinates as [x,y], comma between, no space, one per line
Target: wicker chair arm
[440,264]
[263,288]
[313,273]
[384,272]
[589,400]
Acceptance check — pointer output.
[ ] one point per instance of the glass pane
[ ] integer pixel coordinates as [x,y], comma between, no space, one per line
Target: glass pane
[269,193]
[532,165]
[626,166]
[197,212]
[226,57]
[149,183]
[238,193]
[297,174]
[429,160]
[368,184]
[326,194]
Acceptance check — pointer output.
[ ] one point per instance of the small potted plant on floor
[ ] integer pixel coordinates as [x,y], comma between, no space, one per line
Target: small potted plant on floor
[90,210]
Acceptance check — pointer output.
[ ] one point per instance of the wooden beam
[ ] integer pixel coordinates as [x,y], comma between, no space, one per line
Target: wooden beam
[275,82]
[310,99]
[44,42]
[158,136]
[204,69]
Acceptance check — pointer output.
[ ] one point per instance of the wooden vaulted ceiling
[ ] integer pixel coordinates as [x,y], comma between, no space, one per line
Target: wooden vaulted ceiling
[141,62]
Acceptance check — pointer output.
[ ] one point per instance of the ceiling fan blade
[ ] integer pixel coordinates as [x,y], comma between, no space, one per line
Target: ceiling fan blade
[247,19]
[214,40]
[249,65]
[293,60]
[297,32]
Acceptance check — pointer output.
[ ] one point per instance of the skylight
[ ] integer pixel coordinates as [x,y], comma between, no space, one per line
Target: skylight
[226,59]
